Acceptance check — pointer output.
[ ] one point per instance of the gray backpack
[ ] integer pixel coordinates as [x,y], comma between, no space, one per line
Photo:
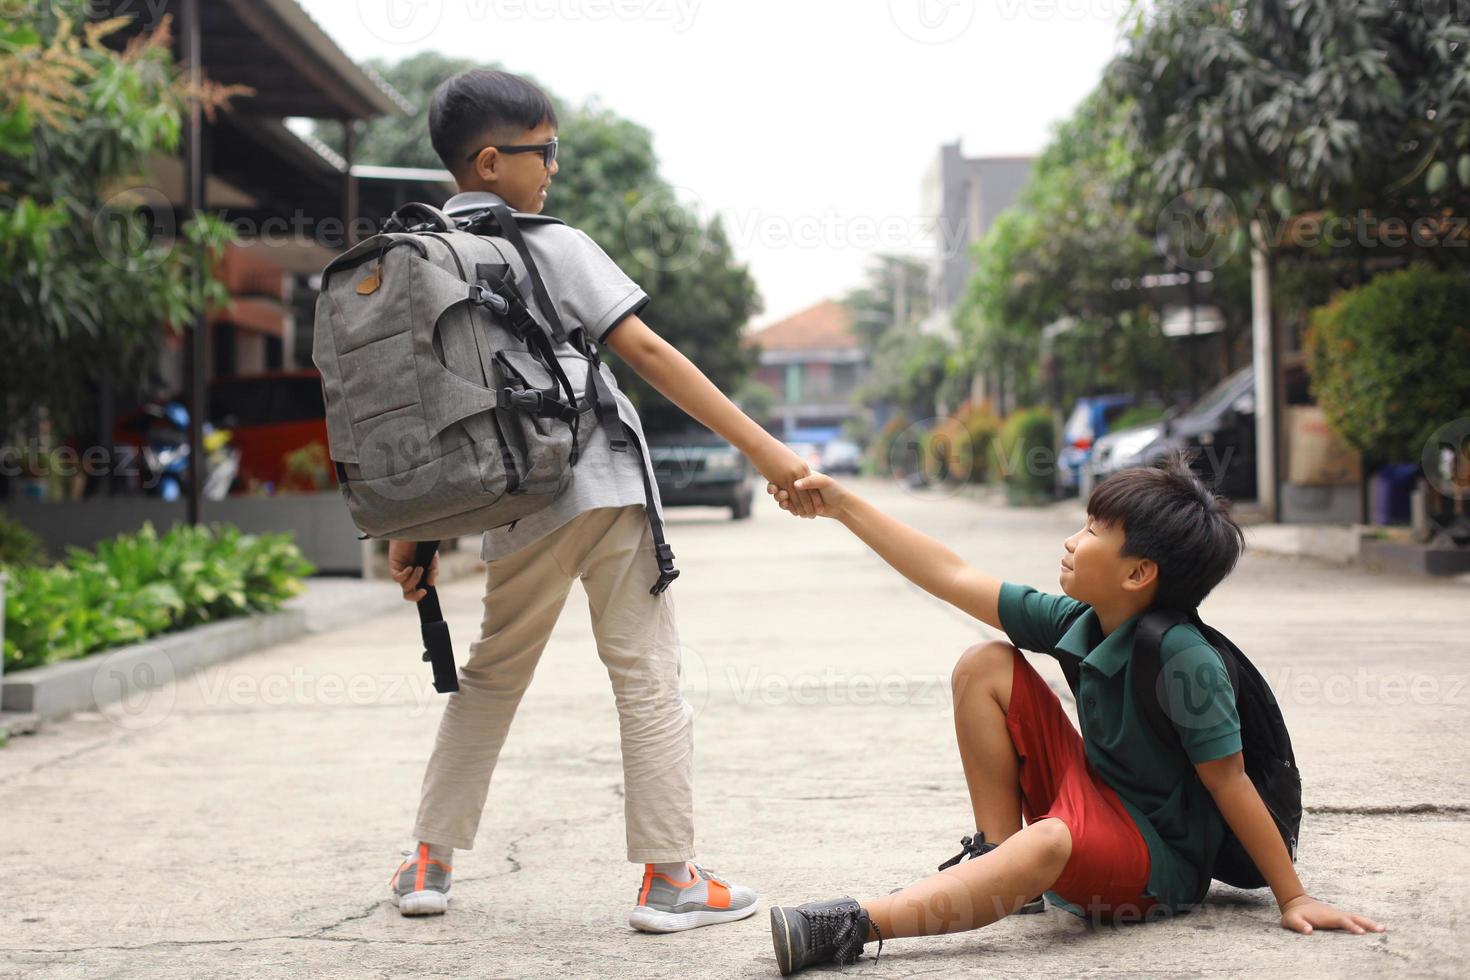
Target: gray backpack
[448,412]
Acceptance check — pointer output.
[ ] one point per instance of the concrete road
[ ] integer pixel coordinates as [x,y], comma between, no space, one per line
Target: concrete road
[245,821]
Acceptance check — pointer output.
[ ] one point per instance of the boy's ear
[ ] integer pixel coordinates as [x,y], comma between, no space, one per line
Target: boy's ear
[1142,573]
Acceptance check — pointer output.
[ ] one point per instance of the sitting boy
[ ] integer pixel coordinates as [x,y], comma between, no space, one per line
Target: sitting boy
[1118,823]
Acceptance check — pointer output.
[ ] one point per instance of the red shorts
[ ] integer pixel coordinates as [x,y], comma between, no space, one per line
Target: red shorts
[1108,871]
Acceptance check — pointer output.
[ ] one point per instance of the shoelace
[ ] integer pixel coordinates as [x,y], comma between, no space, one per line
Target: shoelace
[838,930]
[709,874]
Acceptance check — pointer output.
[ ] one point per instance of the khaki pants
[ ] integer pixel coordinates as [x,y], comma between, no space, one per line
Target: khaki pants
[611,550]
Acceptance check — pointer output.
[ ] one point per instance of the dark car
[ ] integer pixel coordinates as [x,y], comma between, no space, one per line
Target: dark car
[696,468]
[1219,432]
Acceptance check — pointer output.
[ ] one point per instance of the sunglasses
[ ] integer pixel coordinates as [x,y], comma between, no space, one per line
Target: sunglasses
[547,151]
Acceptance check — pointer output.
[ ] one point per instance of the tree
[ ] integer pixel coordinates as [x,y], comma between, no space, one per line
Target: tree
[608,186]
[896,293]
[1292,107]
[1069,253]
[85,285]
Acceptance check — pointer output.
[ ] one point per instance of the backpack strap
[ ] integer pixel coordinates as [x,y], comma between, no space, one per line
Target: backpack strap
[427,214]
[598,394]
[1148,664]
[438,648]
[661,550]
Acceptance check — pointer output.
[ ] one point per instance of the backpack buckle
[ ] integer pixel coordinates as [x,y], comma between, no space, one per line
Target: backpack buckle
[524,401]
[481,296]
[666,570]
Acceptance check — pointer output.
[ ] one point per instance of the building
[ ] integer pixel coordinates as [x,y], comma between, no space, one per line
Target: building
[962,196]
[815,364]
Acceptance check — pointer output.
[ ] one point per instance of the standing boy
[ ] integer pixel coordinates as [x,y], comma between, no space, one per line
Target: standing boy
[496,133]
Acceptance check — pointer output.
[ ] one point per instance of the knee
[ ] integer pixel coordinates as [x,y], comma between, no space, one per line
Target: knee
[981,663]
[1052,840]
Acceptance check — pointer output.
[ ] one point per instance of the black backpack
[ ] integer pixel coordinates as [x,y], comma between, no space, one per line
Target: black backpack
[1265,743]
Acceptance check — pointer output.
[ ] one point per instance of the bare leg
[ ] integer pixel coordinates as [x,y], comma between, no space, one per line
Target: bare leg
[982,695]
[978,892]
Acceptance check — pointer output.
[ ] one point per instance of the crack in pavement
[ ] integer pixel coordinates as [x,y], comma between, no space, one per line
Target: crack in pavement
[1393,809]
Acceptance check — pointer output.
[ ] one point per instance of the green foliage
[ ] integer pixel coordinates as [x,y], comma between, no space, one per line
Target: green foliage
[609,186]
[1068,253]
[17,545]
[959,448]
[883,460]
[1390,360]
[908,370]
[1028,456]
[1296,106]
[84,285]
[1136,416]
[138,585]
[895,294]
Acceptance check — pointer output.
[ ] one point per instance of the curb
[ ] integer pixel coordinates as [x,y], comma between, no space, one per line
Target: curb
[55,690]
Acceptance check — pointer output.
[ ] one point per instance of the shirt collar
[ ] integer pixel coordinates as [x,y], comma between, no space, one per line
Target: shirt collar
[471,201]
[1107,656]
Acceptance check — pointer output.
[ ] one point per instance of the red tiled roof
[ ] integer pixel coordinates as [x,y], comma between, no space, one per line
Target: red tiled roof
[824,326]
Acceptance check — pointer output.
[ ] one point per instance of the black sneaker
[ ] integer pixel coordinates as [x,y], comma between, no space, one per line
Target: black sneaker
[819,932]
[973,847]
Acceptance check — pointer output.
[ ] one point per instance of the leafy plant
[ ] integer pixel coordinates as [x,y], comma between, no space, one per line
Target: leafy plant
[1390,360]
[1028,455]
[17,545]
[84,281]
[139,585]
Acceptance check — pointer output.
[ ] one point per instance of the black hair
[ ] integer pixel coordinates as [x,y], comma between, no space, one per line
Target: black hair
[483,104]
[1171,517]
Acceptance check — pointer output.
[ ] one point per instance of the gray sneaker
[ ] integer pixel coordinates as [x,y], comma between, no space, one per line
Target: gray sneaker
[420,885]
[665,905]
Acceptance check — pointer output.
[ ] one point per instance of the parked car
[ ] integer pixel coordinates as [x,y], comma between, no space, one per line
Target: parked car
[810,453]
[1090,420]
[842,456]
[696,468]
[1219,431]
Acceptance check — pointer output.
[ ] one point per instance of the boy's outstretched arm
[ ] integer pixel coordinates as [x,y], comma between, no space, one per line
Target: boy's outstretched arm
[662,365]
[917,557]
[1243,810]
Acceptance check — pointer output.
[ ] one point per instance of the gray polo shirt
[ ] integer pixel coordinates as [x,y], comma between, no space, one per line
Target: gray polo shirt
[589,291]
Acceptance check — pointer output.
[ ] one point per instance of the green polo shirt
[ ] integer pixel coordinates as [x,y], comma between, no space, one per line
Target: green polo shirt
[1155,778]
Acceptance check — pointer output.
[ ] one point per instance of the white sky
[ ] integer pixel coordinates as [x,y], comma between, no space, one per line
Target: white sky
[808,124]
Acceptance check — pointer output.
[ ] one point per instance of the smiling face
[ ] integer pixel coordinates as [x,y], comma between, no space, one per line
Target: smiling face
[1094,569]
[521,179]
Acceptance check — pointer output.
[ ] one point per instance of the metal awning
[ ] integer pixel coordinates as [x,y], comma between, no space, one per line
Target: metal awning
[274,47]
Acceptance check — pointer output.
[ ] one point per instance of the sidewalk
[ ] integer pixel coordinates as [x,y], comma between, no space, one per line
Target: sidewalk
[246,821]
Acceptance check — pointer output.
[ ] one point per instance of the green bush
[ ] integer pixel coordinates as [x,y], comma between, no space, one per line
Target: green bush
[139,585]
[1028,455]
[882,456]
[1390,360]
[17,545]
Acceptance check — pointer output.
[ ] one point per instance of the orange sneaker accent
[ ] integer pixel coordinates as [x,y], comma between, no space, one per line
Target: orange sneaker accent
[647,884]
[423,864]
[719,895]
